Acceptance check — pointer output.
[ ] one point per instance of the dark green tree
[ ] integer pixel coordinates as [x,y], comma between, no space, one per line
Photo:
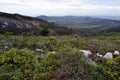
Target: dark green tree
[44,32]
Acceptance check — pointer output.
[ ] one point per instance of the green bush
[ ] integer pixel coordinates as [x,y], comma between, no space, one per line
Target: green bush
[73,66]
[15,62]
[46,68]
[44,32]
[111,69]
[8,33]
[65,62]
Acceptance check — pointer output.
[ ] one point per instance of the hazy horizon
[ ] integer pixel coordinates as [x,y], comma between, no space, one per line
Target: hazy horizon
[61,7]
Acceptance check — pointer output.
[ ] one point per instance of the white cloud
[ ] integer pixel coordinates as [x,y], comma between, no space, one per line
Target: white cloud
[57,7]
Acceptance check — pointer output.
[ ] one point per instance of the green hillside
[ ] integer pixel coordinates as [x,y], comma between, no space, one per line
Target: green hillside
[19,24]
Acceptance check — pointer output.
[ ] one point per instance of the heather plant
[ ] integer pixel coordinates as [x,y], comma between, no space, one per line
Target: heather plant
[16,64]
[60,58]
[110,69]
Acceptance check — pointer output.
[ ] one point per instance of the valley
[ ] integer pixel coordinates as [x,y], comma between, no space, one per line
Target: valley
[85,24]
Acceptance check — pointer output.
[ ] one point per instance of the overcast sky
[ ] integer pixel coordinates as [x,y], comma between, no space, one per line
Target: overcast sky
[61,7]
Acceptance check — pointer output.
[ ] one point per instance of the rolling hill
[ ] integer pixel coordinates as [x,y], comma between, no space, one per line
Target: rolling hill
[85,24]
[19,24]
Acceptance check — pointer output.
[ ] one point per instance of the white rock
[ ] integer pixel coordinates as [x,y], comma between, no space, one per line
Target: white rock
[87,53]
[116,53]
[99,55]
[39,50]
[108,55]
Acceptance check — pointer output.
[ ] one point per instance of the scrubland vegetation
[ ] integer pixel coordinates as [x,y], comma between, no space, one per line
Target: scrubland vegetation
[59,58]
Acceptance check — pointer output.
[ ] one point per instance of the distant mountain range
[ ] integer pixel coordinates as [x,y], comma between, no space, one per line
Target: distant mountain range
[85,24]
[109,17]
[19,24]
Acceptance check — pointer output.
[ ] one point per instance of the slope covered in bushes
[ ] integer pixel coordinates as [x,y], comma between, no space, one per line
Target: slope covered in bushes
[57,57]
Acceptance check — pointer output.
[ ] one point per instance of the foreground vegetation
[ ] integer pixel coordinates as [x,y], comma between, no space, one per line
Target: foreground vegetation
[59,58]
